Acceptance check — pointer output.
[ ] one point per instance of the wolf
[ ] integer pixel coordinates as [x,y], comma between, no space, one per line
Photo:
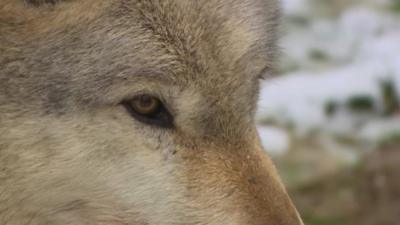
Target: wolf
[136,112]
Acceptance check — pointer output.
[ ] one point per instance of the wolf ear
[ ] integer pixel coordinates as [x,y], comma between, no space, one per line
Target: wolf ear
[43,2]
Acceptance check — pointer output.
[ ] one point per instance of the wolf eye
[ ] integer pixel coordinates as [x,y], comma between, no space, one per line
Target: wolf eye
[146,105]
[149,110]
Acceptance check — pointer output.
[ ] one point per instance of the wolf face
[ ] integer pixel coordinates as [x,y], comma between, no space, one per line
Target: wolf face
[136,112]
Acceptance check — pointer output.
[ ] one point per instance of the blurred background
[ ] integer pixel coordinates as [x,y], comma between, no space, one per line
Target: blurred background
[331,119]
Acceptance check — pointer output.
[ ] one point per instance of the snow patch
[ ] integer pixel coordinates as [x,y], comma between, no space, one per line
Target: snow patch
[275,140]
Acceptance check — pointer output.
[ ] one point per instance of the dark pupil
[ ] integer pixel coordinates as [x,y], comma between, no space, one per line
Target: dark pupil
[146,101]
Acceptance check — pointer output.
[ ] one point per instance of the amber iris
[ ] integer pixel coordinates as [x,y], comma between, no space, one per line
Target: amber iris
[146,105]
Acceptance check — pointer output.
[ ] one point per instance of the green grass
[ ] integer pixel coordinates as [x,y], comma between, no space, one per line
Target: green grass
[318,55]
[310,219]
[393,138]
[395,6]
[331,107]
[361,103]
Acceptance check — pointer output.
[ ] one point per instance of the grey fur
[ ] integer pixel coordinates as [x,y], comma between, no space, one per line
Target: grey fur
[70,153]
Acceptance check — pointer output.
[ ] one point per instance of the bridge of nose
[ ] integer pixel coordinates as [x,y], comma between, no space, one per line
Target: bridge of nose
[269,203]
[241,180]
[223,113]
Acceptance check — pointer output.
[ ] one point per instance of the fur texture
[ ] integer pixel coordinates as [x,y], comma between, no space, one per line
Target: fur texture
[71,154]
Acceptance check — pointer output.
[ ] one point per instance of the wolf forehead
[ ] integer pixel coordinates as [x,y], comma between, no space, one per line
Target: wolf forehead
[67,44]
[216,29]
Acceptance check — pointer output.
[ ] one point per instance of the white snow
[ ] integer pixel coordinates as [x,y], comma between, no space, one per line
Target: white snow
[295,7]
[377,130]
[300,97]
[361,45]
[275,140]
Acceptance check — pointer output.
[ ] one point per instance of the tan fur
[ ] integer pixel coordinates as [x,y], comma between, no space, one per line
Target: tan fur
[71,154]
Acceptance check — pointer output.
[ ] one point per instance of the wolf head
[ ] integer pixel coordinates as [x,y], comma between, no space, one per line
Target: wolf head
[136,112]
